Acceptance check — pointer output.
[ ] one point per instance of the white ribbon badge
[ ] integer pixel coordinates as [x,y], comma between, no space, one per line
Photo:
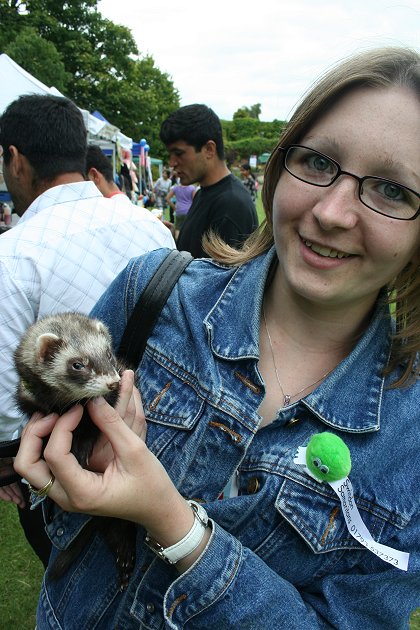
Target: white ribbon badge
[355,525]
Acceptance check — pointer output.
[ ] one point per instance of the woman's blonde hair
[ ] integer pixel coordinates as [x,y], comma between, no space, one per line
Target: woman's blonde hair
[377,68]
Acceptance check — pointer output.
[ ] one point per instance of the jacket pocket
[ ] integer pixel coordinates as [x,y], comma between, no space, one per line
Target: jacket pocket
[169,399]
[314,511]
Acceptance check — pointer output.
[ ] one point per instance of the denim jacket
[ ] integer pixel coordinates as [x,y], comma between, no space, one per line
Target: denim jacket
[280,554]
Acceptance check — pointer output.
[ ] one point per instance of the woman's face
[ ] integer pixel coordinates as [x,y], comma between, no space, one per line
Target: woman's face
[369,132]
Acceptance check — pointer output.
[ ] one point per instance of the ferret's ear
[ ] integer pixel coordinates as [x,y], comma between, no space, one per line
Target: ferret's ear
[47,346]
[100,327]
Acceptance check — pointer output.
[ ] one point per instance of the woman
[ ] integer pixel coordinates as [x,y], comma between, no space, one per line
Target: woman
[180,198]
[252,355]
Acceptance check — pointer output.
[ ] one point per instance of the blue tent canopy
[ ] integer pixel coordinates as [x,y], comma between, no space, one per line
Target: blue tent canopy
[99,115]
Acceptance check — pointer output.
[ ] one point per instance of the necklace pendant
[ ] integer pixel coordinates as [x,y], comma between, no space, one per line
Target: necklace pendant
[286,399]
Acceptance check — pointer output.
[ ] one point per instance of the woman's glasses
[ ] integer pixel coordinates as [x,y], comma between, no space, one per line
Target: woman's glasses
[380,195]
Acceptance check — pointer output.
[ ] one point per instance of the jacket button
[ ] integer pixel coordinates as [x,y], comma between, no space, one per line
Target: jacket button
[253,485]
[150,607]
[292,422]
[60,531]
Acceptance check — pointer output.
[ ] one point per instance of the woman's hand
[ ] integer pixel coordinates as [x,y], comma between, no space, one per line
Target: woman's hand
[130,408]
[133,485]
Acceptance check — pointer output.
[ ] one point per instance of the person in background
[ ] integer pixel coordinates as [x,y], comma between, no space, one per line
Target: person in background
[100,171]
[255,352]
[249,180]
[67,247]
[148,199]
[193,137]
[5,217]
[128,175]
[174,182]
[180,199]
[161,189]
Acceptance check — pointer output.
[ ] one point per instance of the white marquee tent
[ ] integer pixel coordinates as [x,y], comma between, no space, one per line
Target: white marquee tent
[15,81]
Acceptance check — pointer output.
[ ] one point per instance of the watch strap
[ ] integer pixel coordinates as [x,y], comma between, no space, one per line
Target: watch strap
[188,543]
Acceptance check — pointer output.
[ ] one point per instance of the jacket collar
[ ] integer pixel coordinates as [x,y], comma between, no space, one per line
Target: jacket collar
[350,398]
[240,302]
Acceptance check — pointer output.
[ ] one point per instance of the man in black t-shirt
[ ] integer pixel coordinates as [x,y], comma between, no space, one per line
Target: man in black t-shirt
[193,137]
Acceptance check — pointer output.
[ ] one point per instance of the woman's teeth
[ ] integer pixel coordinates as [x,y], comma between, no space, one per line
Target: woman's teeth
[325,251]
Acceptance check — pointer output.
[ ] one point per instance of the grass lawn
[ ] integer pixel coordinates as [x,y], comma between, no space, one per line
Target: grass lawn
[259,206]
[21,575]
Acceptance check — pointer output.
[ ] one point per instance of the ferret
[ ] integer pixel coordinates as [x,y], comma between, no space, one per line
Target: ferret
[66,359]
[62,360]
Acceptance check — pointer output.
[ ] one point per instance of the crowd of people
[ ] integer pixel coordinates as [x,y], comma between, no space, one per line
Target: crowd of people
[306,324]
[167,194]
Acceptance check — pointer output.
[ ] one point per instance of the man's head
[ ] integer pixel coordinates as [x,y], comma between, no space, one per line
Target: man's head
[245,169]
[193,137]
[43,138]
[99,170]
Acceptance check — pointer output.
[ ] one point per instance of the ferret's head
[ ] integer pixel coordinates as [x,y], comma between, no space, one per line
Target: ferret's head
[77,359]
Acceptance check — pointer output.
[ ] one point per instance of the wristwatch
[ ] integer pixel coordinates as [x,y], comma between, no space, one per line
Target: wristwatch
[186,545]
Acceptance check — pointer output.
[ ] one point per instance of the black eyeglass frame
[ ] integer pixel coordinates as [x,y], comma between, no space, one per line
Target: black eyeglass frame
[359,180]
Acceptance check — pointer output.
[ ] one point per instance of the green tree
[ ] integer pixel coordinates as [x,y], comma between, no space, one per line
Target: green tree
[245,128]
[101,59]
[242,149]
[140,104]
[248,112]
[39,57]
[245,136]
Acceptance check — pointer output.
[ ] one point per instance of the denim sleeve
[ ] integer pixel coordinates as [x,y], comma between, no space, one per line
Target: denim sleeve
[229,586]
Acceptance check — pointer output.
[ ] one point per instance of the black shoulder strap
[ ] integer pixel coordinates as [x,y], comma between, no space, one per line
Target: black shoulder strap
[149,305]
[139,325]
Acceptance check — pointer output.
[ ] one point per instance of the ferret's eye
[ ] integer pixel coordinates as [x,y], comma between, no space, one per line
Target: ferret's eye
[77,365]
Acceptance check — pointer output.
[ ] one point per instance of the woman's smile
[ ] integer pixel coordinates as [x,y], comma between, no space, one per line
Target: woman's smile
[323,256]
[323,250]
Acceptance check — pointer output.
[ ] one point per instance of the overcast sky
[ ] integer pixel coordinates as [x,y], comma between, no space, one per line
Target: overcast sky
[228,54]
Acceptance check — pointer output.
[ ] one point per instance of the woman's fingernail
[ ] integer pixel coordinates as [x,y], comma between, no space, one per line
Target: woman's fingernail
[100,400]
[49,417]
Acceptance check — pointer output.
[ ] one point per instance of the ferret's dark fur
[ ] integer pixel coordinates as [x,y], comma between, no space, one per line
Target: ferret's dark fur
[62,360]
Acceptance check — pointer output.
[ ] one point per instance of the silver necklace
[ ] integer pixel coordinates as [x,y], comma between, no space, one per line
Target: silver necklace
[287,397]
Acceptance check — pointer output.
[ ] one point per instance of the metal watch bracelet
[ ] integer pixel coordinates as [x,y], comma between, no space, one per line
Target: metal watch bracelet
[188,543]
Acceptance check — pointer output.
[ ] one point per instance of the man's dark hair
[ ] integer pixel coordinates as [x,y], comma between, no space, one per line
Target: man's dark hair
[49,131]
[96,158]
[195,124]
